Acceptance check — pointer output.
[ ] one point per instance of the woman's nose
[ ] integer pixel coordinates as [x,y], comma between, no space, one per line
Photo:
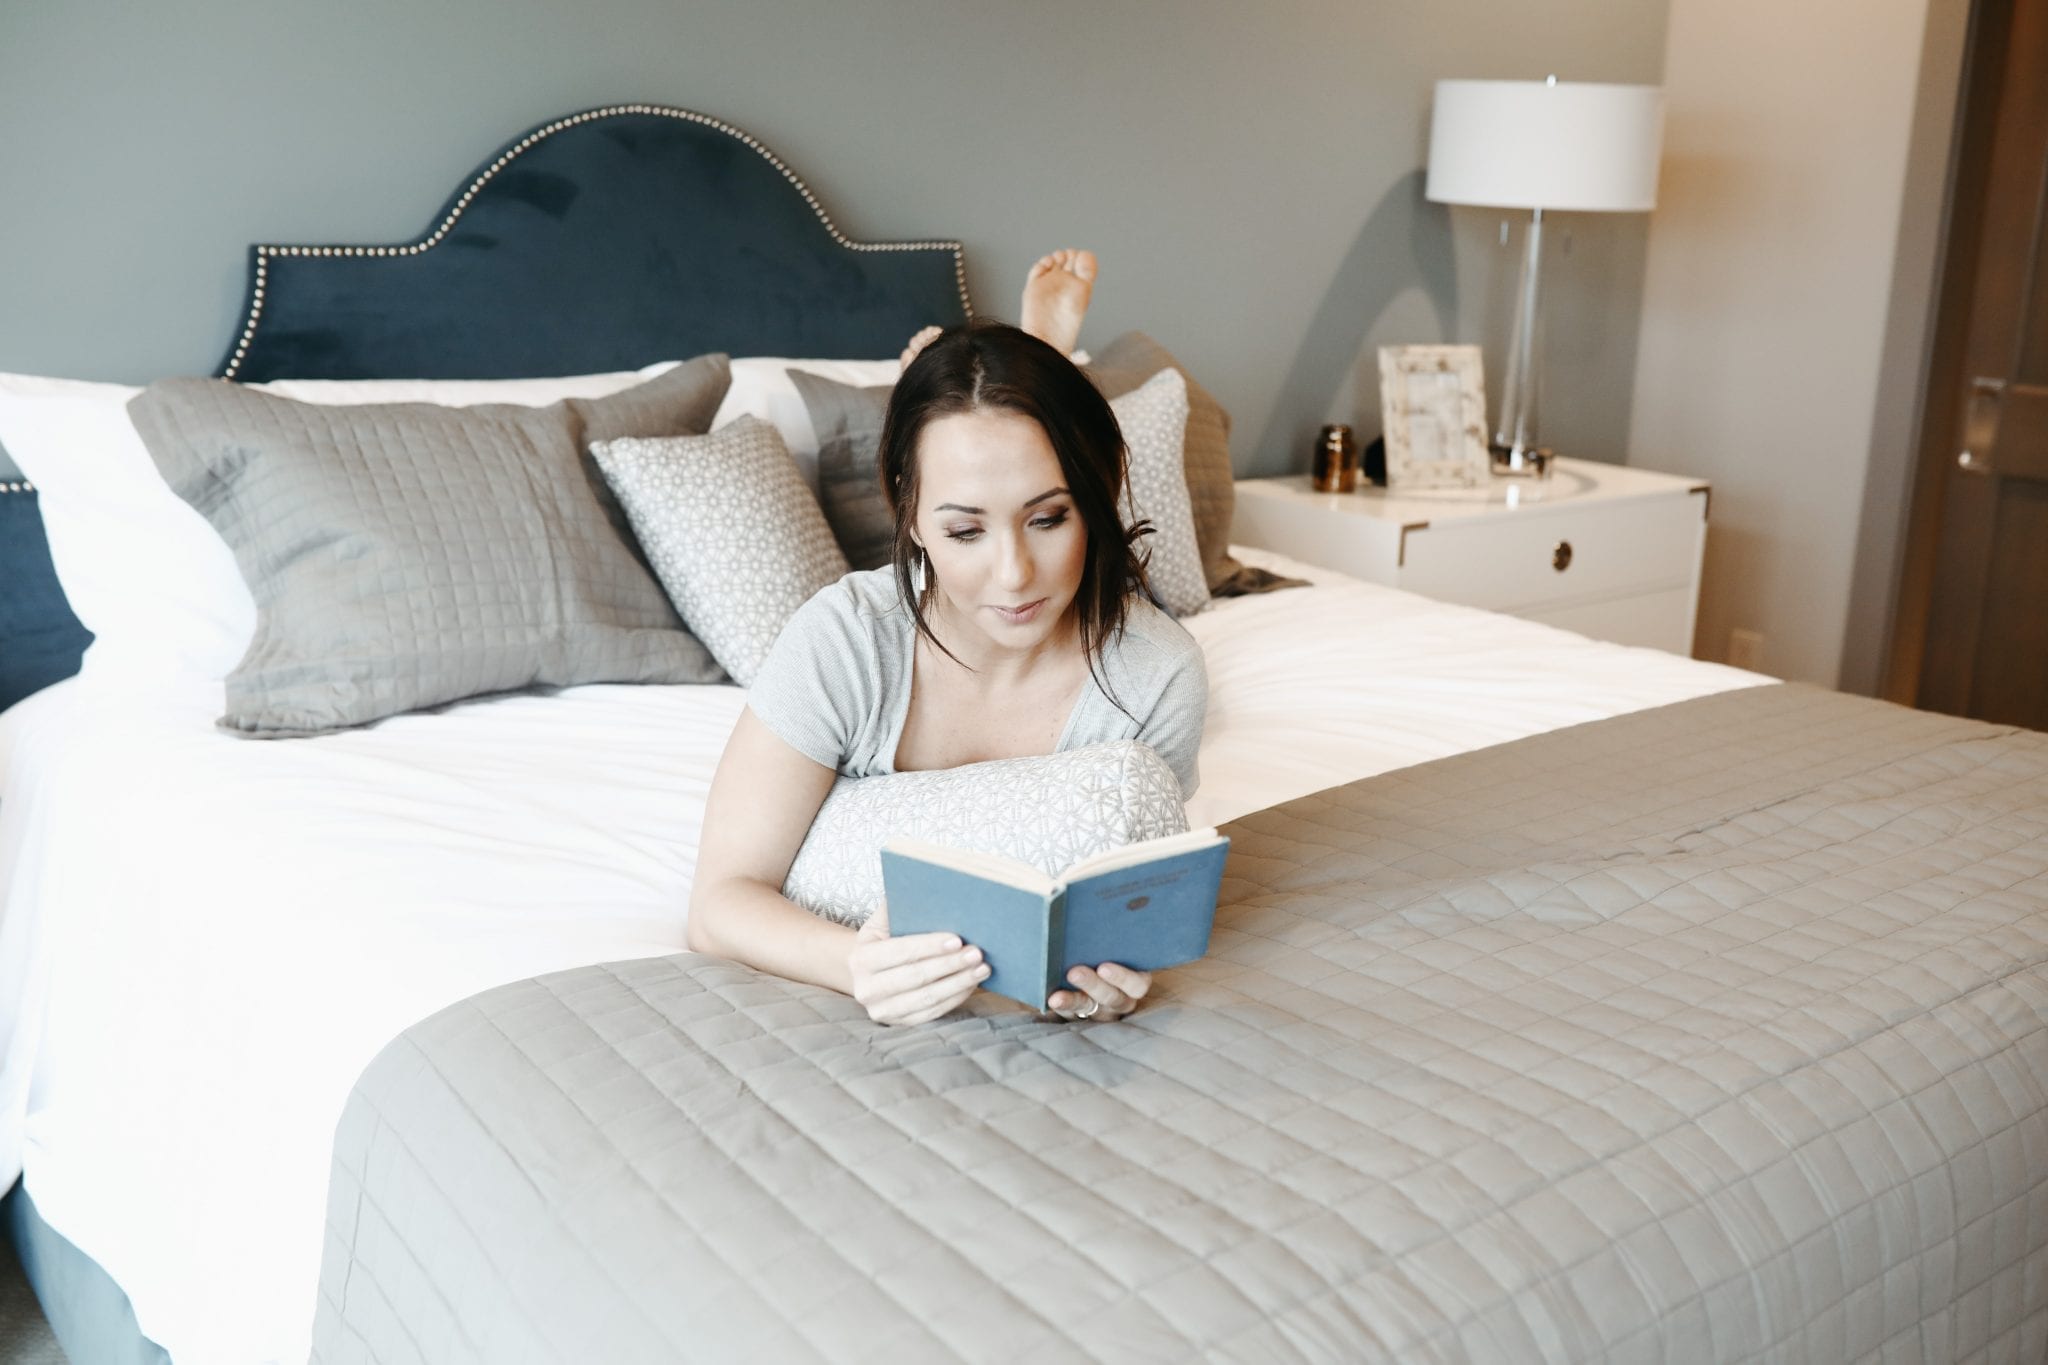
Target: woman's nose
[1013,564]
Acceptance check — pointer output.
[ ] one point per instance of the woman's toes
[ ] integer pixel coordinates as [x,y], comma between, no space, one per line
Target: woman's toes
[924,338]
[1056,294]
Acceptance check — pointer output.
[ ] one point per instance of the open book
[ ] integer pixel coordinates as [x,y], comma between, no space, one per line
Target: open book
[1145,906]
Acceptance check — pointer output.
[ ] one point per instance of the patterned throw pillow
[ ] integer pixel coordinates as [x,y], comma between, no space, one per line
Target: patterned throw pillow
[1050,811]
[732,531]
[1154,418]
[1130,361]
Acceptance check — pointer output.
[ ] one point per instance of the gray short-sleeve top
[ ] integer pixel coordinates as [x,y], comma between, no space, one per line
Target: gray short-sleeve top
[836,685]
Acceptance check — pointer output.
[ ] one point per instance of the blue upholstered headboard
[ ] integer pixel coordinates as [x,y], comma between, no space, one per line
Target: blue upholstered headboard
[604,240]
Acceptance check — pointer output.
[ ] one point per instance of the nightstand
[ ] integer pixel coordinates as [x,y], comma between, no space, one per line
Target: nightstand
[1604,550]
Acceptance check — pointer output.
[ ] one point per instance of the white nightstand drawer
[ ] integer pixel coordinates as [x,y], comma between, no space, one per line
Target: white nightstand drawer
[1562,555]
[1632,574]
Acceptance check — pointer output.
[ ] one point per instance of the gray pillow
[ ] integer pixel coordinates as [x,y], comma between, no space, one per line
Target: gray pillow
[732,530]
[848,421]
[404,555]
[1049,811]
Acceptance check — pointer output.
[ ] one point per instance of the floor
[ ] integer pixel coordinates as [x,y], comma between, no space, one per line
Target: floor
[24,1337]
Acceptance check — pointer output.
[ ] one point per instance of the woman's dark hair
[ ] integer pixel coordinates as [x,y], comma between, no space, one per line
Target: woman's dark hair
[983,364]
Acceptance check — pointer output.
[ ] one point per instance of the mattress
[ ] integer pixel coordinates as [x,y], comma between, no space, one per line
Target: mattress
[209,938]
[1714,1032]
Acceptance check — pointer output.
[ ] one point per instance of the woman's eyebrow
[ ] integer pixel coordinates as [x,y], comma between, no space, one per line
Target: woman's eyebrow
[977,511]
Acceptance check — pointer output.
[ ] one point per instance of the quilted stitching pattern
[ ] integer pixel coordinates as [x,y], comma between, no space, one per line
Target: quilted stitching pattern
[1154,419]
[1716,1032]
[405,555]
[732,530]
[1050,811]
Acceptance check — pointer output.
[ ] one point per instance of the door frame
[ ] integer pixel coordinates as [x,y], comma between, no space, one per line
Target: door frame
[1943,381]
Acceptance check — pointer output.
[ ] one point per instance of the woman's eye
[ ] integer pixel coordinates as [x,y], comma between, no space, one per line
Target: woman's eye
[1046,523]
[964,533]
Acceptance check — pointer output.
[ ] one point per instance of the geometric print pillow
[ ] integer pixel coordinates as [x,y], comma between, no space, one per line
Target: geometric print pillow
[1154,418]
[1050,811]
[732,529]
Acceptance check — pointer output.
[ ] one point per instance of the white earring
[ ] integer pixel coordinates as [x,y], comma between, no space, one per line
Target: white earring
[917,573]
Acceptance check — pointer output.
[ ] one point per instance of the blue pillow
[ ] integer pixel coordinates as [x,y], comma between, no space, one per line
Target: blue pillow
[40,640]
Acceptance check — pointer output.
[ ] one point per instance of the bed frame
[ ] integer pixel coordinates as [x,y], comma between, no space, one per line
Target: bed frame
[600,241]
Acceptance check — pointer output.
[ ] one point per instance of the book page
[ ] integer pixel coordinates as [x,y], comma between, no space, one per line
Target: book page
[990,866]
[1144,851]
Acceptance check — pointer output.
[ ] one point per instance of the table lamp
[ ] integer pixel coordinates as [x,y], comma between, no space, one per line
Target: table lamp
[1537,145]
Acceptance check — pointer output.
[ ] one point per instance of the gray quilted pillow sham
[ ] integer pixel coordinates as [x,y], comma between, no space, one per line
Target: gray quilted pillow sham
[406,555]
[1050,811]
[732,529]
[848,421]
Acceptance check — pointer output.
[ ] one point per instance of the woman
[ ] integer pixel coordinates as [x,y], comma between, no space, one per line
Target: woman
[1011,623]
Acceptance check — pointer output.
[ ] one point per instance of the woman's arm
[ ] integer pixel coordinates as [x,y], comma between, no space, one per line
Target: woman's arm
[763,798]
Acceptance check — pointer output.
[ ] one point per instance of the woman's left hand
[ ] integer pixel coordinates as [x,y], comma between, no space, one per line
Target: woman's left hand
[1105,992]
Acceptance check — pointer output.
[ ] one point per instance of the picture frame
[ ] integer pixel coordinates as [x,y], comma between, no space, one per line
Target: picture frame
[1433,415]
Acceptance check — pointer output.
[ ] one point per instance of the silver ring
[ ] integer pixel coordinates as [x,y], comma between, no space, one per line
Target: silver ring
[1088,1013]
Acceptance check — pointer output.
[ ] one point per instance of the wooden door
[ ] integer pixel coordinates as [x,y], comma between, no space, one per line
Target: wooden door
[1971,636]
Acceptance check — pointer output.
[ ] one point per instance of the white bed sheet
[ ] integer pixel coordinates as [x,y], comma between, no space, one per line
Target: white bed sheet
[203,939]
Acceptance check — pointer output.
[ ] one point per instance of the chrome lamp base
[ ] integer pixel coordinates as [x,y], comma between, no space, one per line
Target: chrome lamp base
[1511,462]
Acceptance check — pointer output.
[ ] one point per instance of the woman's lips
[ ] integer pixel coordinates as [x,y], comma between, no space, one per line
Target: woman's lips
[1018,616]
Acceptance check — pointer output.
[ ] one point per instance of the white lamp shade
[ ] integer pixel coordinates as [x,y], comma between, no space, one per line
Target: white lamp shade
[1546,145]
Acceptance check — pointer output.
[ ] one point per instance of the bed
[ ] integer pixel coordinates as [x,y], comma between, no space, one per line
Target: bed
[205,942]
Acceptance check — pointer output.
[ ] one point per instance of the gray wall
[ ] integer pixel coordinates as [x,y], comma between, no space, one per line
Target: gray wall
[1786,306]
[1249,174]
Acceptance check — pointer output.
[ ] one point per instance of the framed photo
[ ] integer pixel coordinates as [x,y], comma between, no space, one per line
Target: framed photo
[1433,410]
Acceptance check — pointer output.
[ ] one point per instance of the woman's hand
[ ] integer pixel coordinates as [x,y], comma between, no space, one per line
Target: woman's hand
[1105,992]
[913,979]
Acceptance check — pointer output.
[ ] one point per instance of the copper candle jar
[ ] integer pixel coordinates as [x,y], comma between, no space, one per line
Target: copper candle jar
[1336,460]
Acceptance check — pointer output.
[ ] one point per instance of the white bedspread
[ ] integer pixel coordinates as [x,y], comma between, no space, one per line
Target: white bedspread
[203,939]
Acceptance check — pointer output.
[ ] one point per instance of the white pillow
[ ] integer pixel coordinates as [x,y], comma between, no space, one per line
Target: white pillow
[1154,418]
[146,574]
[731,529]
[1050,811]
[761,388]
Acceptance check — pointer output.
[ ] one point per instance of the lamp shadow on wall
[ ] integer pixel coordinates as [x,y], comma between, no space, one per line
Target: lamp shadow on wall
[1405,243]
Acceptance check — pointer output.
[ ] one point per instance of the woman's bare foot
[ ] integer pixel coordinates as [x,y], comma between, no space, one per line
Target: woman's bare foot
[925,336]
[1056,297]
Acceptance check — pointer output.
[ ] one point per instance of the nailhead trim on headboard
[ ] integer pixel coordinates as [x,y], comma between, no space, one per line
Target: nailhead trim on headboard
[432,239]
[23,486]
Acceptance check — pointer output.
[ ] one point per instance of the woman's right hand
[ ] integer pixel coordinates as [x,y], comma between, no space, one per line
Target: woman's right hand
[913,979]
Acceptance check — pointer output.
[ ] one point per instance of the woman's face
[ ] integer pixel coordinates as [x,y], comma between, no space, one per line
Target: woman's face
[1005,542]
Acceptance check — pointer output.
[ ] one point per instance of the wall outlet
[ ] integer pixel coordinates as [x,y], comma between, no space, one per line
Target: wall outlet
[1745,649]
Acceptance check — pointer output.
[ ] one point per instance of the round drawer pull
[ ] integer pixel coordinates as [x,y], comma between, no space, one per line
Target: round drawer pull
[1561,557]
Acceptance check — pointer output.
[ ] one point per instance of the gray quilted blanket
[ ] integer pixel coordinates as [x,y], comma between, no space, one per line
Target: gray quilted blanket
[1715,1032]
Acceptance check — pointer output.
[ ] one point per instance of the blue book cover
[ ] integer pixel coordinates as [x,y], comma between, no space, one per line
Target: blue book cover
[1146,906]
